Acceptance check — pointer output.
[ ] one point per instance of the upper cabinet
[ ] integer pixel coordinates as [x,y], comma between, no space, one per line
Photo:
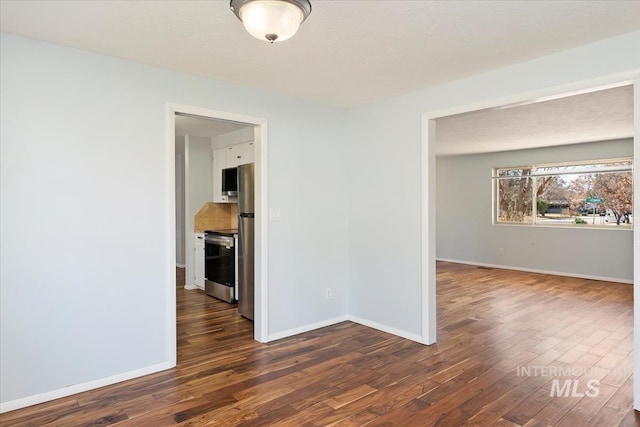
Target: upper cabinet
[229,157]
[219,163]
[240,154]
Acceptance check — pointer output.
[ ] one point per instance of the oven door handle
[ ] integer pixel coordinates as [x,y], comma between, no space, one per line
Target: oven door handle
[220,241]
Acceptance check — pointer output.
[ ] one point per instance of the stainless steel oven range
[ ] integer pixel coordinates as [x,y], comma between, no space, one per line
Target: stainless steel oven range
[220,265]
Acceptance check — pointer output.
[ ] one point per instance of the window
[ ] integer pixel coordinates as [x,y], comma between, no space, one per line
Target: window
[595,193]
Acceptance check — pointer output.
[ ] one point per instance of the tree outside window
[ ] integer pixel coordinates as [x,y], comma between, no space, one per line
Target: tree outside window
[596,193]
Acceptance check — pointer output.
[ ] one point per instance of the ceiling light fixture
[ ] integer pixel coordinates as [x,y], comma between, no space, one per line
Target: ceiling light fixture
[271,20]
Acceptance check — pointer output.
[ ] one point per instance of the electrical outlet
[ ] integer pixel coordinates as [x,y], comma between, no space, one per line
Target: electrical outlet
[501,251]
[275,214]
[327,293]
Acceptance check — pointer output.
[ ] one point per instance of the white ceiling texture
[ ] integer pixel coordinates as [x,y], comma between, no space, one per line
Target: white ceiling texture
[595,116]
[346,54]
[198,126]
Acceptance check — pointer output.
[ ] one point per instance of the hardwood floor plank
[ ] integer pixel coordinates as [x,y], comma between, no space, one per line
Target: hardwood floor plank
[493,325]
[631,419]
[350,396]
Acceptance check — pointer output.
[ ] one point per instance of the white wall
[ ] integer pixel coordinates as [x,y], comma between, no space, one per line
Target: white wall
[385,261]
[198,189]
[180,224]
[83,226]
[464,218]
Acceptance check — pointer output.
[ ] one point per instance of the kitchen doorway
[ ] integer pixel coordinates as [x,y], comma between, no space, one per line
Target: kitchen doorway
[232,121]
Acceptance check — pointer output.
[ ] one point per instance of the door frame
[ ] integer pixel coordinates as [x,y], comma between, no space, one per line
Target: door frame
[261,327]
[428,193]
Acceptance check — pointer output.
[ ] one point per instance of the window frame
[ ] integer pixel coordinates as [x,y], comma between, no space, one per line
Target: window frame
[536,171]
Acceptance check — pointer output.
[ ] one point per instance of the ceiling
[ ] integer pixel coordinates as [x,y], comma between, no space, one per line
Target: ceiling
[346,54]
[200,126]
[595,116]
[350,53]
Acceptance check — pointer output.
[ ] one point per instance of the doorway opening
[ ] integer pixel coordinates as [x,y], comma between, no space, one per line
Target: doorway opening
[225,123]
[430,148]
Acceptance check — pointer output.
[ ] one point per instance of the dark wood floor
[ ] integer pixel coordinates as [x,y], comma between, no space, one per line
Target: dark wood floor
[491,324]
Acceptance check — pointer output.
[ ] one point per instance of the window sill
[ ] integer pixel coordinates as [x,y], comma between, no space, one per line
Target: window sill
[612,227]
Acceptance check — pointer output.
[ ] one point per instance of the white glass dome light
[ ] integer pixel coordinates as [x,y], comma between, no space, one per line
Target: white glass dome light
[271,20]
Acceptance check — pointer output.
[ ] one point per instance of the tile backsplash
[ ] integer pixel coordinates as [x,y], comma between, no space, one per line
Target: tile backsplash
[216,216]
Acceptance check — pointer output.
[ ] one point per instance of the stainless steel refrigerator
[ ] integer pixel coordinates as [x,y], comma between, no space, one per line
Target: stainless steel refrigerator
[246,240]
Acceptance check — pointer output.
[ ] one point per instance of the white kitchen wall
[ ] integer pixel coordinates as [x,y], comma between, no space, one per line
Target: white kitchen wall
[384,138]
[83,221]
[464,218]
[180,220]
[198,168]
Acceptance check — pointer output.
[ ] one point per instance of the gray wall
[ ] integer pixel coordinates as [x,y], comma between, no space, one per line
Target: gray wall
[465,231]
[84,176]
[385,181]
[61,315]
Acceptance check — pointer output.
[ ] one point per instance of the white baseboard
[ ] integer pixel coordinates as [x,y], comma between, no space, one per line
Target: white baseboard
[79,388]
[306,328]
[191,287]
[181,266]
[345,318]
[387,329]
[535,270]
